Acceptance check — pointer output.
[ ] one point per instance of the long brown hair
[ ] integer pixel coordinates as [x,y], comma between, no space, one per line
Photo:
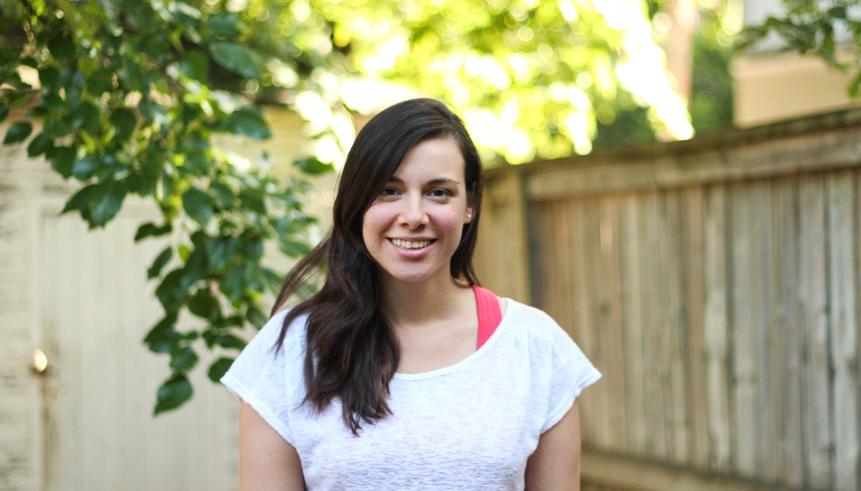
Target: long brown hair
[351,350]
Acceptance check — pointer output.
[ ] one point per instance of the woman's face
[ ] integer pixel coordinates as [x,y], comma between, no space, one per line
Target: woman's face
[413,228]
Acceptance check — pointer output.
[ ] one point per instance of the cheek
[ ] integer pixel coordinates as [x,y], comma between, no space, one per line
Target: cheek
[452,222]
[373,222]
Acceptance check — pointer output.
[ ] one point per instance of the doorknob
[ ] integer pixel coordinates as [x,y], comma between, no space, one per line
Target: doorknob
[40,362]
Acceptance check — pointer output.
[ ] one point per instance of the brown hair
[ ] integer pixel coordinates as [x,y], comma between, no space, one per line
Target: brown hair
[351,350]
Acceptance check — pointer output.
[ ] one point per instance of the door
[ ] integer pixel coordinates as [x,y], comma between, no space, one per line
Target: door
[95,307]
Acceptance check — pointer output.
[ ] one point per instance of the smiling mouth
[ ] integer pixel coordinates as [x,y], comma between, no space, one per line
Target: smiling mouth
[412,244]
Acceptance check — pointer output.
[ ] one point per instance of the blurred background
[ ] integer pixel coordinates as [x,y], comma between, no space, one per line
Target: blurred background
[675,181]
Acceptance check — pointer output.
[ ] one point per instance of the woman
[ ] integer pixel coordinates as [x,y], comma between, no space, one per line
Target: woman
[401,373]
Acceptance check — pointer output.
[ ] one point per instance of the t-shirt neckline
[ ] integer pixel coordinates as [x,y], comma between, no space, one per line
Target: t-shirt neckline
[472,356]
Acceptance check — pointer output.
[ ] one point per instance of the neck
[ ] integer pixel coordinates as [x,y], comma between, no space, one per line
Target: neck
[416,304]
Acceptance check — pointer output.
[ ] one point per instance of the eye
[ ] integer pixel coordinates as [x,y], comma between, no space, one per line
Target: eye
[389,191]
[441,193]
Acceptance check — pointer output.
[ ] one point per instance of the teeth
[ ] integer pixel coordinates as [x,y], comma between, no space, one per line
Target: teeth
[411,244]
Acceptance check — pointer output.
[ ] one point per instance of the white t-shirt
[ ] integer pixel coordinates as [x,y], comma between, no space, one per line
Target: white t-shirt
[471,425]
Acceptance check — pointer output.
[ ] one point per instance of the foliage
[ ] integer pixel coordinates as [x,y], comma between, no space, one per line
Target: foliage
[814,28]
[711,105]
[529,77]
[129,95]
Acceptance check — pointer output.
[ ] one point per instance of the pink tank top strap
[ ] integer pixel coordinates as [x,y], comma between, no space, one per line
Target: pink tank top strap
[489,313]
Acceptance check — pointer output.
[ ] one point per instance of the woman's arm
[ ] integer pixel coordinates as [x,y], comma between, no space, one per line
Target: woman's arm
[266,461]
[555,464]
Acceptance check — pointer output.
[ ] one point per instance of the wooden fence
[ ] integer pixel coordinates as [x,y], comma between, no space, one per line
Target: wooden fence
[715,283]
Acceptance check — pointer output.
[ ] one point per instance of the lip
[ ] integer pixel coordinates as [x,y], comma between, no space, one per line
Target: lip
[411,253]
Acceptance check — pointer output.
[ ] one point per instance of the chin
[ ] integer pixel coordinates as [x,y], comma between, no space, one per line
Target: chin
[412,276]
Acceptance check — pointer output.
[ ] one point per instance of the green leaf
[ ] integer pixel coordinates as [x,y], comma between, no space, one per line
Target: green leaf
[80,200]
[4,111]
[124,121]
[293,248]
[151,110]
[17,132]
[62,159]
[162,337]
[221,251]
[150,229]
[86,167]
[235,58]
[222,194]
[39,145]
[160,261]
[253,249]
[106,202]
[170,292]
[252,199]
[838,12]
[312,166]
[195,268]
[233,284]
[223,24]
[183,359]
[173,393]
[61,46]
[100,82]
[230,341]
[203,304]
[197,205]
[854,85]
[195,64]
[255,316]
[248,121]
[49,77]
[87,118]
[218,368]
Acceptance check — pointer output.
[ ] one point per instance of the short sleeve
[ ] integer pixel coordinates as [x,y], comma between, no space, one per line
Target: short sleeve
[267,380]
[571,373]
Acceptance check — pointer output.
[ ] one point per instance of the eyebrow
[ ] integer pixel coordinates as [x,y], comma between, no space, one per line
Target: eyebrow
[433,182]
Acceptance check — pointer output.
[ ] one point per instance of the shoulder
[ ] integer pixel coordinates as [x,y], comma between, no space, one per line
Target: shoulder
[263,353]
[270,332]
[532,321]
[540,332]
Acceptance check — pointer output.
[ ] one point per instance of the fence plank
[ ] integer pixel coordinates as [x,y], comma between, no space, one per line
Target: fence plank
[787,393]
[693,259]
[672,333]
[844,329]
[746,289]
[653,350]
[609,294]
[590,413]
[716,329]
[768,339]
[817,435]
[590,233]
[632,319]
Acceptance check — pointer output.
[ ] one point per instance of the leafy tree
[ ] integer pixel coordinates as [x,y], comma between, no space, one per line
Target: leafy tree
[814,28]
[128,96]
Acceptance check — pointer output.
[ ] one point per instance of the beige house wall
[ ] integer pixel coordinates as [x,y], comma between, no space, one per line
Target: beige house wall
[771,87]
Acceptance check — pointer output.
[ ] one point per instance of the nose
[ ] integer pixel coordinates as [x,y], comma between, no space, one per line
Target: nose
[413,213]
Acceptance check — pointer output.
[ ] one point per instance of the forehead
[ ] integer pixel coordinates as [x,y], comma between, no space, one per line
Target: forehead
[432,158]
